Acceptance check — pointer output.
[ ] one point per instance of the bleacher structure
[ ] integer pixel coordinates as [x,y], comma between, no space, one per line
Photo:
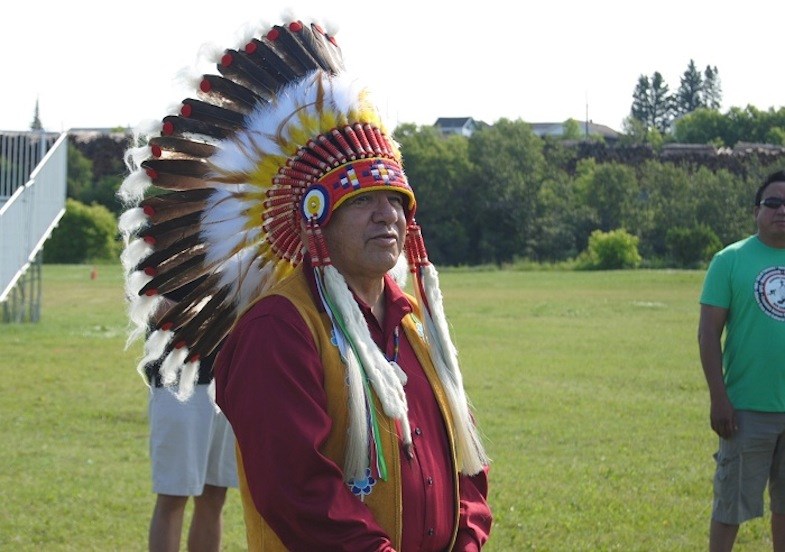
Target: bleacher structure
[33,176]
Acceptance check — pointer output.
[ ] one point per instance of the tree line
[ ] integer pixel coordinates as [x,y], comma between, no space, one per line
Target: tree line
[692,113]
[655,108]
[500,196]
[505,194]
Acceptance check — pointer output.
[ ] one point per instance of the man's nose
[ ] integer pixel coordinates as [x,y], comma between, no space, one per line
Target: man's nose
[387,207]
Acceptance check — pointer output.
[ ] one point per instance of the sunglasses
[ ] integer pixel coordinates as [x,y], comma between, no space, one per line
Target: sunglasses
[773,202]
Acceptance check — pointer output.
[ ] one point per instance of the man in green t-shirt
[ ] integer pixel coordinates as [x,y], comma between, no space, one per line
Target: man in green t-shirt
[744,295]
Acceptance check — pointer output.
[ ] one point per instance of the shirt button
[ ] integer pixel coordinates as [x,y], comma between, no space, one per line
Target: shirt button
[417,431]
[429,480]
[431,532]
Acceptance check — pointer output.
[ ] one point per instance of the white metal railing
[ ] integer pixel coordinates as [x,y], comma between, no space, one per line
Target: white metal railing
[32,210]
[20,154]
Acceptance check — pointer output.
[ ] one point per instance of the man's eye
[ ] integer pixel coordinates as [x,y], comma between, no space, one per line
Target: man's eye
[362,198]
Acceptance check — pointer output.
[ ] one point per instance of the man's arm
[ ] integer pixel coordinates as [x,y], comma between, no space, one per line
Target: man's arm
[710,327]
[474,523]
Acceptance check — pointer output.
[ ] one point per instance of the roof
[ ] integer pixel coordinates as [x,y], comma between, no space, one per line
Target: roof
[444,122]
[557,129]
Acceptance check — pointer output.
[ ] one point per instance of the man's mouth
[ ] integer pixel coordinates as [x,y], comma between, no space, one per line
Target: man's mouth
[385,237]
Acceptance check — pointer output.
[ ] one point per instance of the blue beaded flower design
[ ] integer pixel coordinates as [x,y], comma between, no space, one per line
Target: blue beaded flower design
[362,487]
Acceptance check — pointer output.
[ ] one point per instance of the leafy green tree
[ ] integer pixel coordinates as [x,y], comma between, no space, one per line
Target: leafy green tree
[36,123]
[723,202]
[749,124]
[661,104]
[105,155]
[508,166]
[689,96]
[776,118]
[712,88]
[85,233]
[79,180]
[689,247]
[571,130]
[84,185]
[104,192]
[703,126]
[640,109]
[614,250]
[439,170]
[652,103]
[668,203]
[636,132]
[562,221]
[610,191]
[776,135]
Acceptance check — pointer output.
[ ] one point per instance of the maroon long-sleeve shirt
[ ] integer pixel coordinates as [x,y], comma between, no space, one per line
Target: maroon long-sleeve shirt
[279,416]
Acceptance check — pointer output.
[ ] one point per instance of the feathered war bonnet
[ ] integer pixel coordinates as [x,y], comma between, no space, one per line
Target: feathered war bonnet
[217,196]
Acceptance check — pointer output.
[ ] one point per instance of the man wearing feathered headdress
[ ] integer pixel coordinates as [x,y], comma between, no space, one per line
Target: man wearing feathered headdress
[345,395]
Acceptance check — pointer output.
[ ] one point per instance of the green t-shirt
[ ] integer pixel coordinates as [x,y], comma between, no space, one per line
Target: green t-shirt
[748,279]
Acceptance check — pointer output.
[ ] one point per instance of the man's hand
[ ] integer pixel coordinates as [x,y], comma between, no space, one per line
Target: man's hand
[723,418]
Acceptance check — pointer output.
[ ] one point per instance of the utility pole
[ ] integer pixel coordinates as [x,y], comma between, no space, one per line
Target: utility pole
[586,122]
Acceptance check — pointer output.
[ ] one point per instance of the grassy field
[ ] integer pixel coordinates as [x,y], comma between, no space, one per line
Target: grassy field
[586,385]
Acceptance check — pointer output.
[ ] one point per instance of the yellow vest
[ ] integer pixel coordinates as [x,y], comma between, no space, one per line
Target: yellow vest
[385,500]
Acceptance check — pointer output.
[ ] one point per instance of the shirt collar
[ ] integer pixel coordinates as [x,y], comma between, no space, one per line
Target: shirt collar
[396,304]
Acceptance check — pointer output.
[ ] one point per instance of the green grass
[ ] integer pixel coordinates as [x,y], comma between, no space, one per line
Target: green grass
[587,386]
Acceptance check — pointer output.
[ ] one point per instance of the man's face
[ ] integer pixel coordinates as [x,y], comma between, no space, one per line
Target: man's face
[365,234]
[771,221]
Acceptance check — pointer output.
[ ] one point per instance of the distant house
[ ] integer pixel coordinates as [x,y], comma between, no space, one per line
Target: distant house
[589,129]
[464,126]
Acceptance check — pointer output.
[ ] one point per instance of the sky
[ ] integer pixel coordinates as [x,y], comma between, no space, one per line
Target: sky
[111,63]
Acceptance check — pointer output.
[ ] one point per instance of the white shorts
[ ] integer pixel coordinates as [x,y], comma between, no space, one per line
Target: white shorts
[191,444]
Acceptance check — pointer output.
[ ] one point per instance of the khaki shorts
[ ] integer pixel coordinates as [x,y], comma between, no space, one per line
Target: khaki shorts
[191,444]
[748,461]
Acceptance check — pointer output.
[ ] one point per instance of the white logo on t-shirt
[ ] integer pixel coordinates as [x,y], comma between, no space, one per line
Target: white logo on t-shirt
[770,292]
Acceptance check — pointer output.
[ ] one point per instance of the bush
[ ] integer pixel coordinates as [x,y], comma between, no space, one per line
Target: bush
[86,233]
[689,247]
[614,250]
